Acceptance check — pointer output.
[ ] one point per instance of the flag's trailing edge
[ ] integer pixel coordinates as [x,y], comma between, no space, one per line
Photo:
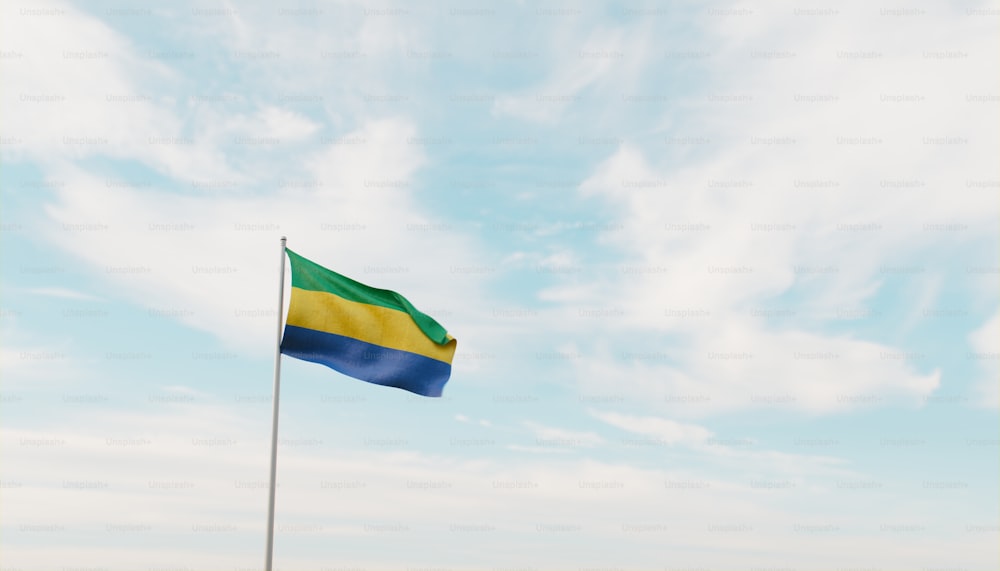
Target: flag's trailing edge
[371,334]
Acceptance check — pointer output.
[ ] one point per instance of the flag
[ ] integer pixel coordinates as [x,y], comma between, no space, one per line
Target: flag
[371,334]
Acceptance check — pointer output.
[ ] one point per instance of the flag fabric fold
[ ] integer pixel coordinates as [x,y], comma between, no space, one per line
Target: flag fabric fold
[371,334]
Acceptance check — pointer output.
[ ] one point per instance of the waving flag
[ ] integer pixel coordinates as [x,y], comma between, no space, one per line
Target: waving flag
[371,334]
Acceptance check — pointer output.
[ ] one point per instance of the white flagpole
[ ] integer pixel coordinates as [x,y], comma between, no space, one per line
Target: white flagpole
[274,414]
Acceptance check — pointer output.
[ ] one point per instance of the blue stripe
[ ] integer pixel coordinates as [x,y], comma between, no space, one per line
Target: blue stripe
[372,363]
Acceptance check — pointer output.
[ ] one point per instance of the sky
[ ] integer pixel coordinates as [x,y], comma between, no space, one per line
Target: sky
[724,278]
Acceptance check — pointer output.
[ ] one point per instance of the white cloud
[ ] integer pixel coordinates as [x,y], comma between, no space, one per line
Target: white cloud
[209,258]
[799,210]
[109,99]
[662,429]
[560,437]
[736,455]
[594,59]
[136,470]
[272,123]
[111,476]
[194,244]
[536,449]
[62,293]
[698,365]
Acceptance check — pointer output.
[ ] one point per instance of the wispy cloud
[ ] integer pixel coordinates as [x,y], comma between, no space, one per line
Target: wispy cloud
[561,437]
[63,293]
[662,429]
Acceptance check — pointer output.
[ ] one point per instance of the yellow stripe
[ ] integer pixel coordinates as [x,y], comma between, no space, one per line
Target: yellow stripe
[373,324]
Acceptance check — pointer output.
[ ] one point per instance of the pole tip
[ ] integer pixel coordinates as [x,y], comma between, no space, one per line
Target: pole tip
[283,239]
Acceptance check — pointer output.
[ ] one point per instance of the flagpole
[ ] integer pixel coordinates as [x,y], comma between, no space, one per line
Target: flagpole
[274,414]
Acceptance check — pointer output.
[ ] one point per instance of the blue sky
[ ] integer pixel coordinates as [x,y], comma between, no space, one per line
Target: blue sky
[724,279]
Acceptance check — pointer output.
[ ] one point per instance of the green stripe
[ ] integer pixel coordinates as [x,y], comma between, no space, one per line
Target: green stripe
[309,275]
